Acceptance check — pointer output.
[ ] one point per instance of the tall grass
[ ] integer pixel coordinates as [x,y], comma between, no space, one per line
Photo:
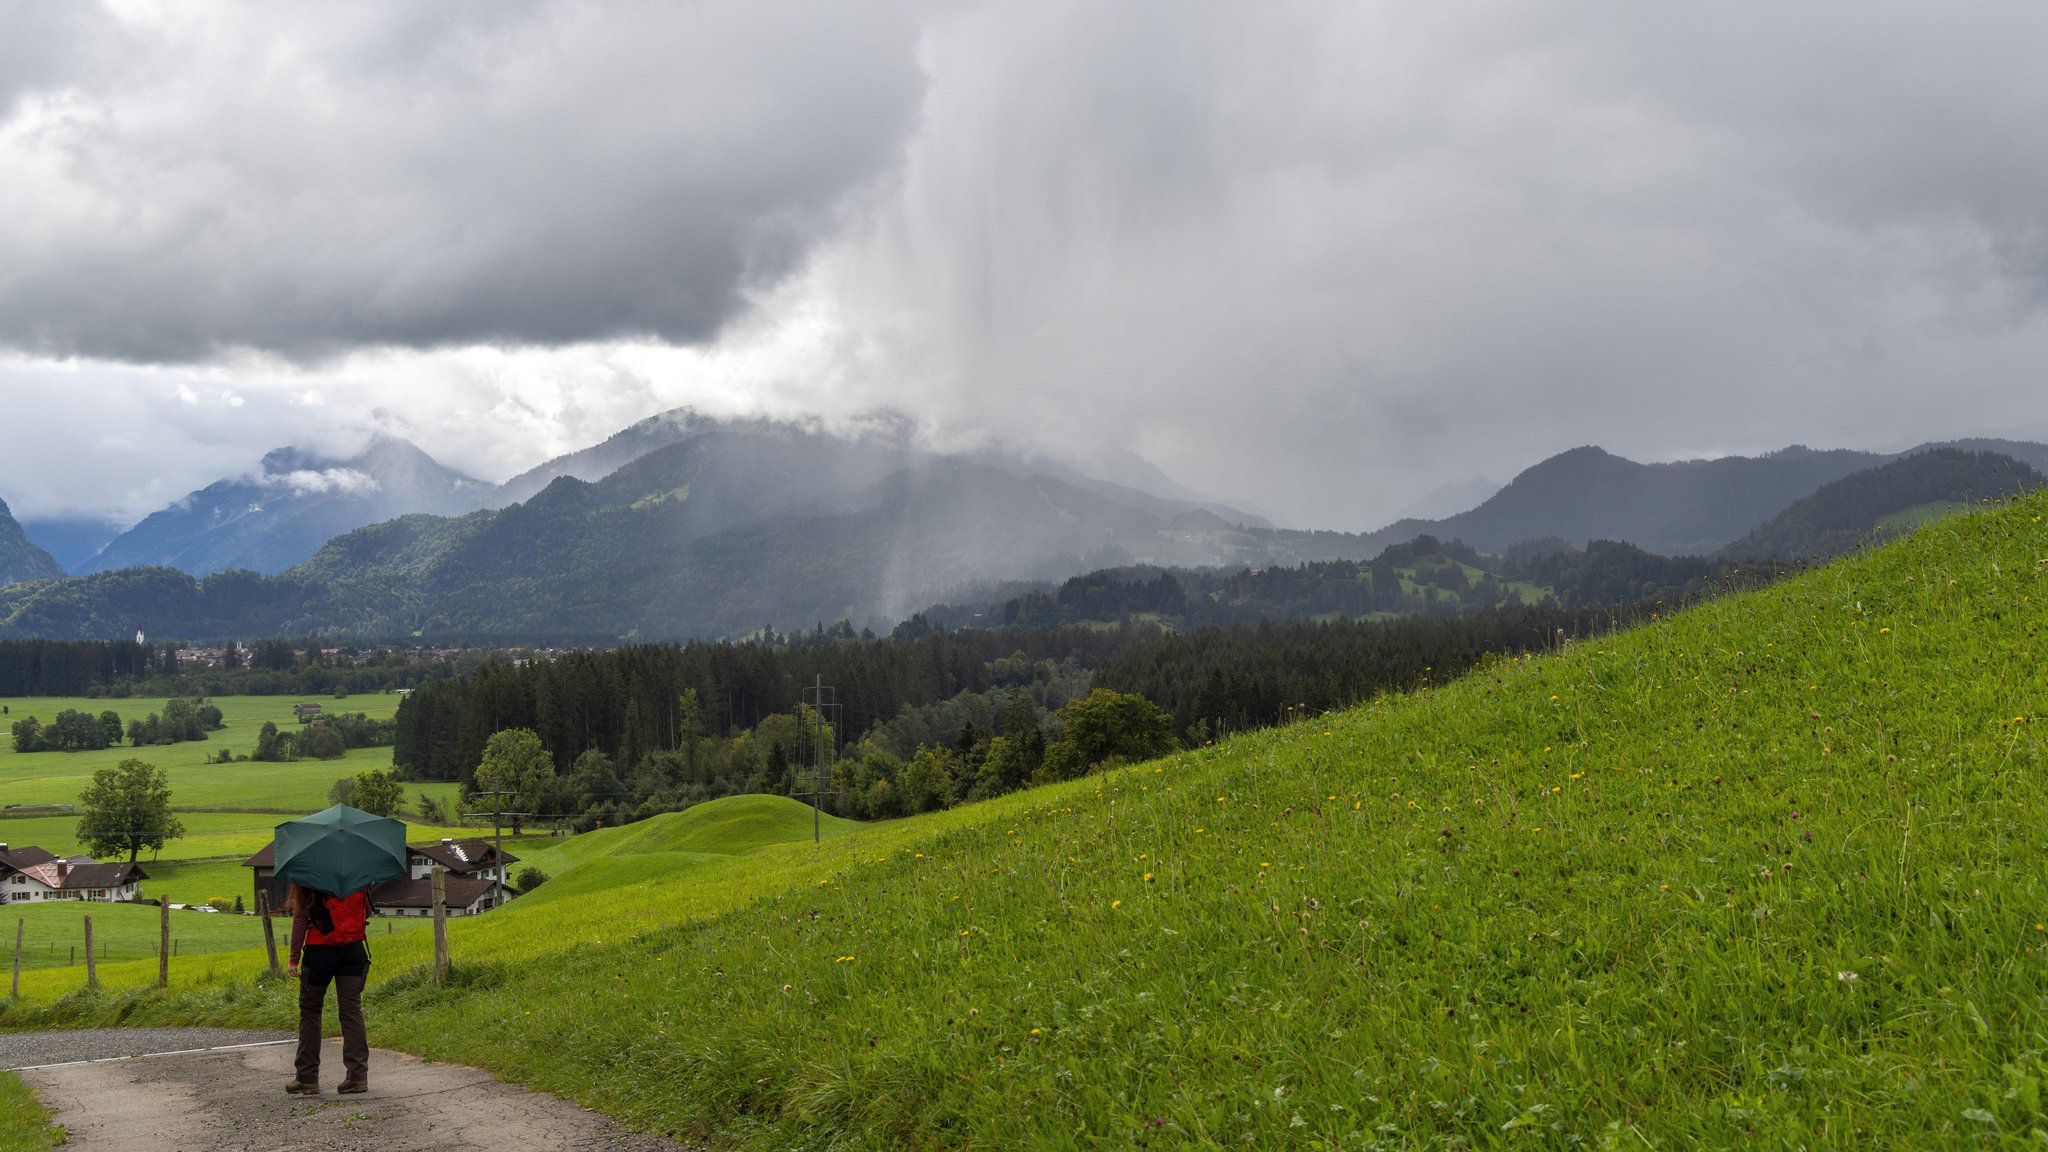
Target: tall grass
[1765,874]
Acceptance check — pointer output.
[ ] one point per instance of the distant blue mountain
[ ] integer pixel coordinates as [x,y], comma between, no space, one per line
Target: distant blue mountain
[281,516]
[72,540]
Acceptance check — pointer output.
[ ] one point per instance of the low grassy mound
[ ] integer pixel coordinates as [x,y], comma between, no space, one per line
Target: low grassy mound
[655,852]
[1765,874]
[728,826]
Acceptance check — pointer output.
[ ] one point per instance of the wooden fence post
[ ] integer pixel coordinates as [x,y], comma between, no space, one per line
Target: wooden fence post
[163,948]
[92,968]
[20,927]
[440,883]
[269,933]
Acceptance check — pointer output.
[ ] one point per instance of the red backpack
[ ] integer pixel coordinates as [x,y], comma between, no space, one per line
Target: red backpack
[351,916]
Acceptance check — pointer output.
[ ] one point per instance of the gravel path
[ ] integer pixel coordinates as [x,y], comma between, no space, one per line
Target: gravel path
[234,1101]
[27,1049]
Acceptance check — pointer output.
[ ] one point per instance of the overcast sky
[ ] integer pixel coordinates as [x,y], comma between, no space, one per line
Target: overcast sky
[1319,259]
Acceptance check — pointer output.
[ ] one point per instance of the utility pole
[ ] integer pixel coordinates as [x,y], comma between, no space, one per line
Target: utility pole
[823,700]
[498,837]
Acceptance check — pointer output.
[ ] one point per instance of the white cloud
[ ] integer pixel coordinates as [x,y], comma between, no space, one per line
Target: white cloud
[343,480]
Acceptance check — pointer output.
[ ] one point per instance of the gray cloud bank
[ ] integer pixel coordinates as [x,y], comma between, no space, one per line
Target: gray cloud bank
[307,179]
[1319,258]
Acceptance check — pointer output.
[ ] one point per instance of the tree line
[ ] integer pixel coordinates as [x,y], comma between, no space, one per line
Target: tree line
[925,717]
[74,731]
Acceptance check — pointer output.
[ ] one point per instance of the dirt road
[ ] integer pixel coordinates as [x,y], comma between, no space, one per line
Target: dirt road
[233,1100]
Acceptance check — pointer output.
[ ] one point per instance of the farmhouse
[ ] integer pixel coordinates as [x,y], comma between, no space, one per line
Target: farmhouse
[472,885]
[306,713]
[414,896]
[28,873]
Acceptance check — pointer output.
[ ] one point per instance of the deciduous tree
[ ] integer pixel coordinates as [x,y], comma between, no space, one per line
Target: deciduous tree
[127,809]
[515,762]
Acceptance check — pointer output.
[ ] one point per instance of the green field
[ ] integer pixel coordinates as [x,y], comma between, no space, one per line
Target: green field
[300,786]
[1765,874]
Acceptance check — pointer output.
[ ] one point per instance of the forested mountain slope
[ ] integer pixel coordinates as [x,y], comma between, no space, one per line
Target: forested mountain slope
[1869,505]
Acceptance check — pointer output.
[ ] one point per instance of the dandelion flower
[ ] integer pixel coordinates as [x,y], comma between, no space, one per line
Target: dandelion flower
[1148,877]
[1115,904]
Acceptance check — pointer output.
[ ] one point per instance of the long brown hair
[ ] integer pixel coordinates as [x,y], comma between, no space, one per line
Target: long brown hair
[313,903]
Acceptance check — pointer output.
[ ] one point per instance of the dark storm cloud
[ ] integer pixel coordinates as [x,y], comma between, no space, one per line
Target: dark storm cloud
[309,178]
[1318,258]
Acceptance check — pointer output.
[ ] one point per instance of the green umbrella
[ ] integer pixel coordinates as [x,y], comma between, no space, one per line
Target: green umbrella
[340,850]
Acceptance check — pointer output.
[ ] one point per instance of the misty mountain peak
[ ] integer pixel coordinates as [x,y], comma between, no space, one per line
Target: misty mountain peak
[280,515]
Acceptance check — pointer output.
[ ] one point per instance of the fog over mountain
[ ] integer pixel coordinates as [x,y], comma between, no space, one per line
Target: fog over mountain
[1316,261]
[282,514]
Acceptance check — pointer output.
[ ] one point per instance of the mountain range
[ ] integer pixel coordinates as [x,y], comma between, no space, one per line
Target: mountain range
[1690,507]
[684,525]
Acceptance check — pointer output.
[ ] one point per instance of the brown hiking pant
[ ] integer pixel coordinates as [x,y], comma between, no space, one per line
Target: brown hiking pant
[314,975]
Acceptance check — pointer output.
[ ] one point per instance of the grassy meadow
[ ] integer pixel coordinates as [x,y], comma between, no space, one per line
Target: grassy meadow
[1765,874]
[300,786]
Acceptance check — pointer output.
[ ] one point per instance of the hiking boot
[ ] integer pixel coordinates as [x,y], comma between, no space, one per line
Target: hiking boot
[353,1086]
[302,1088]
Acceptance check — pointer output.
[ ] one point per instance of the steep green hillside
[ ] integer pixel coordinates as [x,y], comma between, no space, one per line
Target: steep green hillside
[1765,874]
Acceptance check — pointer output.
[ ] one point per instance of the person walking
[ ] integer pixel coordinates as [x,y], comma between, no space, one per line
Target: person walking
[328,946]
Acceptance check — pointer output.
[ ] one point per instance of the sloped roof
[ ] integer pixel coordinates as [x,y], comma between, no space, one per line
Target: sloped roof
[460,892]
[66,876]
[101,875]
[25,857]
[460,855]
[264,859]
